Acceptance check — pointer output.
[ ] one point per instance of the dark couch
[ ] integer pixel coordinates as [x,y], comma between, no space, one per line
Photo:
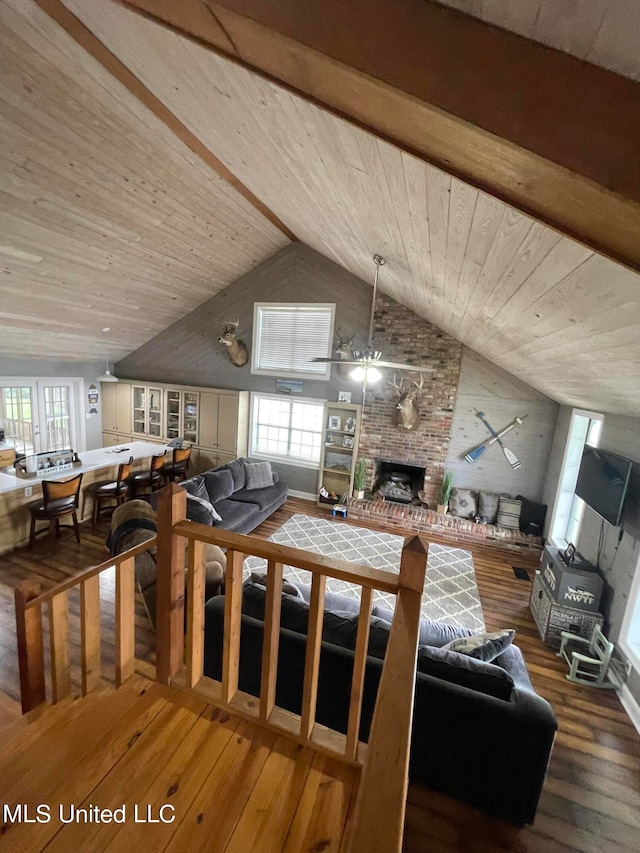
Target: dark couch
[235,501]
[481,734]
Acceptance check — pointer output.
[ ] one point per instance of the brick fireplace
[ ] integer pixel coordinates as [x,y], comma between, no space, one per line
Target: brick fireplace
[404,337]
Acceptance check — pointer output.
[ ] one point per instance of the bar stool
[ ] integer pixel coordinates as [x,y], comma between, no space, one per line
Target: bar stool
[59,498]
[151,479]
[177,468]
[110,490]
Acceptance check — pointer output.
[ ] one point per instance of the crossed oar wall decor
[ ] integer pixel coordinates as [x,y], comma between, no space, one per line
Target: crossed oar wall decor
[510,456]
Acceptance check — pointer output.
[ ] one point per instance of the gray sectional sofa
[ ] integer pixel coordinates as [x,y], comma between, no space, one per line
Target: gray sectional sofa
[238,496]
[481,734]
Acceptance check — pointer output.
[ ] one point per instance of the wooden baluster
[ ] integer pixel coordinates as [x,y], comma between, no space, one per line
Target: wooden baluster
[90,633]
[195,612]
[312,656]
[232,616]
[125,620]
[270,639]
[30,646]
[359,667]
[172,507]
[59,645]
[381,801]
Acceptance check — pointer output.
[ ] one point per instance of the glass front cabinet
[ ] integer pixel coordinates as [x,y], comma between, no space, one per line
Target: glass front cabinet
[147,411]
[182,408]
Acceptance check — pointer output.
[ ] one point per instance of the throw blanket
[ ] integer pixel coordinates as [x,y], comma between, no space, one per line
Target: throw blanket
[130,516]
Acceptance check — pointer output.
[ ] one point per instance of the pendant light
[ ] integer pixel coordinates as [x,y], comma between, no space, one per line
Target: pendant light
[107,376]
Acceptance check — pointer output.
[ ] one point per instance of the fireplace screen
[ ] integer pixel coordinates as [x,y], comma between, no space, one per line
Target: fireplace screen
[398,482]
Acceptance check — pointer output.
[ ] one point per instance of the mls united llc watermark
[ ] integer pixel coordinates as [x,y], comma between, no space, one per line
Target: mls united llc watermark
[69,813]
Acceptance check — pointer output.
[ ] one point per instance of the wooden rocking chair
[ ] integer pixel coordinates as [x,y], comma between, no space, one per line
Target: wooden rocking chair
[588,658]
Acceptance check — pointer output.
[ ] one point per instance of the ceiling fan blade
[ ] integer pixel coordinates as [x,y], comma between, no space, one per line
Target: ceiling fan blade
[397,366]
[337,360]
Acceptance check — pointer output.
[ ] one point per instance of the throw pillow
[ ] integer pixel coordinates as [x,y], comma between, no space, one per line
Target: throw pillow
[509,513]
[238,473]
[219,484]
[259,475]
[485,647]
[431,633]
[201,511]
[196,486]
[287,587]
[465,672]
[532,516]
[463,503]
[488,506]
[294,613]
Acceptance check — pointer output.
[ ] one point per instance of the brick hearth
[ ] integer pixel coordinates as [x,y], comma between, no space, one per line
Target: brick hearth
[421,520]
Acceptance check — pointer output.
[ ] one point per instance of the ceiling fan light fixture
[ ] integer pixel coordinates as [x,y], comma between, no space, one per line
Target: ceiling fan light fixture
[373,374]
[358,373]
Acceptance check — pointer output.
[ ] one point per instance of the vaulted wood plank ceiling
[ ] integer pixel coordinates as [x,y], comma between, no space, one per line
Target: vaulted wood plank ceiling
[107,218]
[536,303]
[525,297]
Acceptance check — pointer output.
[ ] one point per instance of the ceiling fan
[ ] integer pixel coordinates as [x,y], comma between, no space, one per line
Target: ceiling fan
[366,363]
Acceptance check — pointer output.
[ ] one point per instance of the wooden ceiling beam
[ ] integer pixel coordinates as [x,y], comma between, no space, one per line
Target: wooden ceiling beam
[85,38]
[555,137]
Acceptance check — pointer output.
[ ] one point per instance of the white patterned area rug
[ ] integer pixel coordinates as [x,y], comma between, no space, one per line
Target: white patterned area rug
[450,589]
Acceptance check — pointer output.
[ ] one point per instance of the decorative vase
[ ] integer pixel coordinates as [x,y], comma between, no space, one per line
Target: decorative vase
[442,509]
[358,494]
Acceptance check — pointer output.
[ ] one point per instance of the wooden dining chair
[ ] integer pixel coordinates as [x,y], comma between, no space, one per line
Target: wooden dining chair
[177,468]
[106,491]
[150,479]
[59,498]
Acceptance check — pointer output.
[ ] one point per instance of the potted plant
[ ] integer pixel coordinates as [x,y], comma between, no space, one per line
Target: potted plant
[359,478]
[445,492]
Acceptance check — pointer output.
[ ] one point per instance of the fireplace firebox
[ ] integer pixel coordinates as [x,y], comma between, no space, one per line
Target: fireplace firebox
[398,482]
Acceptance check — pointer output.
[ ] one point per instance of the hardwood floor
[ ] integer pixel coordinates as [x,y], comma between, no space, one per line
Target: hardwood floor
[591,798]
[200,778]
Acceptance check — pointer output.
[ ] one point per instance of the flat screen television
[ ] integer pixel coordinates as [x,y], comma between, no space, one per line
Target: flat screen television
[602,482]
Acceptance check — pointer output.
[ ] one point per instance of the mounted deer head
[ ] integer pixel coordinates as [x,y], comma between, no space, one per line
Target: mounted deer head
[343,349]
[236,350]
[406,415]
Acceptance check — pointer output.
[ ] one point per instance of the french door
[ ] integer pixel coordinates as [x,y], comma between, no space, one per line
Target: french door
[41,415]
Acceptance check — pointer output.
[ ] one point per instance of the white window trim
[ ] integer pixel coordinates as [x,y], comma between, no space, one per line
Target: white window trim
[632,650]
[274,457]
[291,374]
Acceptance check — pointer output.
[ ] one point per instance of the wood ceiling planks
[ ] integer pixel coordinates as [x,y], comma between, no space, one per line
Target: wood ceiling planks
[107,218]
[489,275]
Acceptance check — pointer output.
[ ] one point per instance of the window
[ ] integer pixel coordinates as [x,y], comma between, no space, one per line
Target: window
[630,630]
[286,430]
[585,428]
[288,337]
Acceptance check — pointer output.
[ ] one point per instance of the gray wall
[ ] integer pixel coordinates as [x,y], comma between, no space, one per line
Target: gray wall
[502,397]
[89,371]
[189,352]
[618,562]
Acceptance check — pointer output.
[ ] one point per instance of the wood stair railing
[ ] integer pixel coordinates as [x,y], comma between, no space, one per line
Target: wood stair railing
[29,602]
[380,804]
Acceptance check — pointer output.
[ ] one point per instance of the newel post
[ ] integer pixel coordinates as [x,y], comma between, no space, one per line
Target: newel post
[30,646]
[172,508]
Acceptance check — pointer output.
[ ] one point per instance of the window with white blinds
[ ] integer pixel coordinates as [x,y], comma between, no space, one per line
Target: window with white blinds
[288,337]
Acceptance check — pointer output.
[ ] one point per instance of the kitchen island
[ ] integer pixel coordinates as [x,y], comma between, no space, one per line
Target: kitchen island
[100,464]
